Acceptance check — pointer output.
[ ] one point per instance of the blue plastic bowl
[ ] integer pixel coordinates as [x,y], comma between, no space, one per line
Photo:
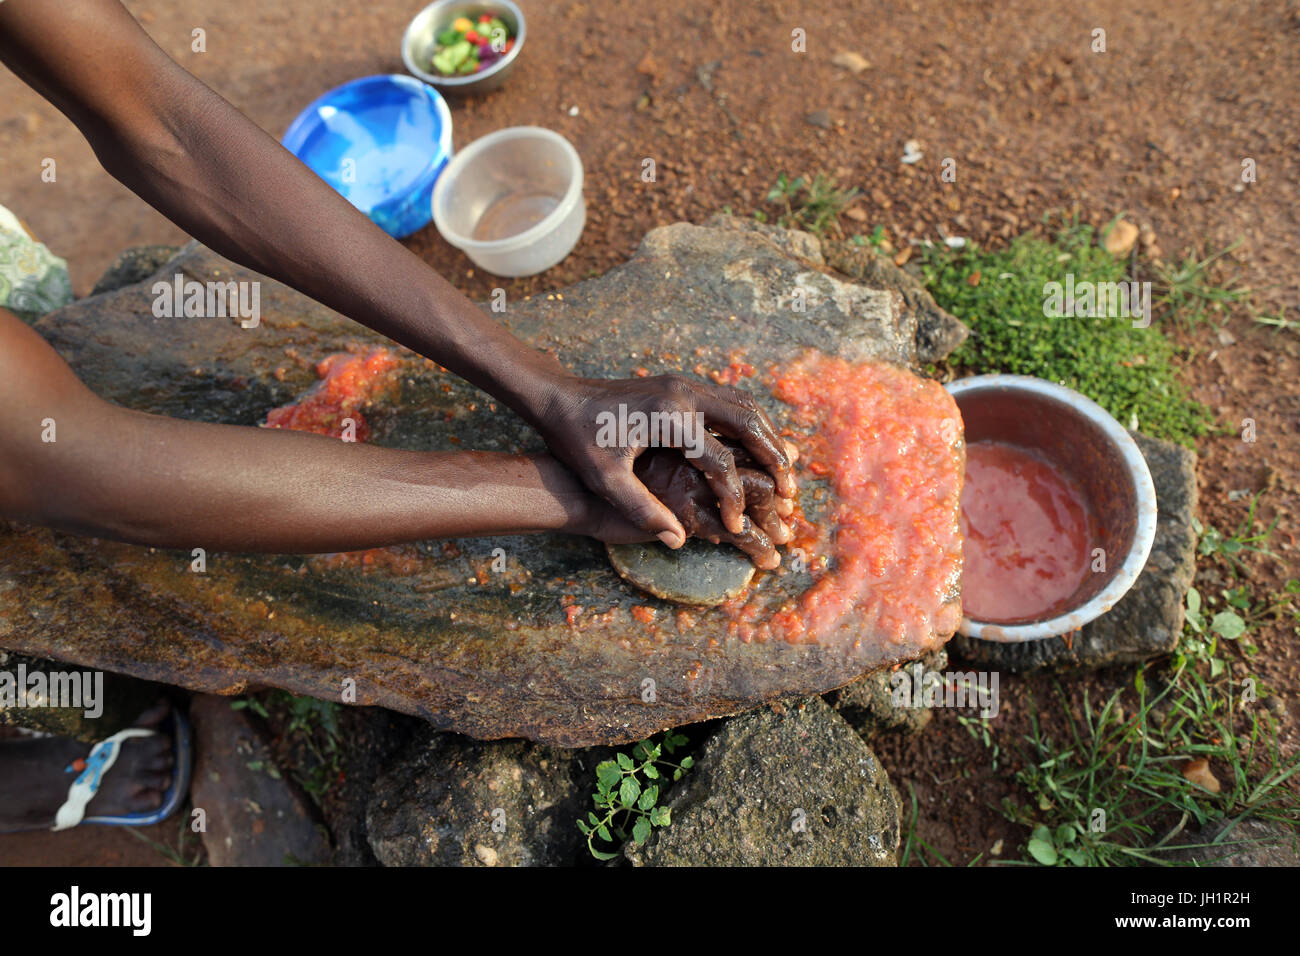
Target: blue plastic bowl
[381,142]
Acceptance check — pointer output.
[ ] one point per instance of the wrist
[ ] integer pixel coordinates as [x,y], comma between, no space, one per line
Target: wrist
[577,507]
[534,390]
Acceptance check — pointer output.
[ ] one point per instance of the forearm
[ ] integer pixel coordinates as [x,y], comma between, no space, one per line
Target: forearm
[209,169]
[172,484]
[70,460]
[234,188]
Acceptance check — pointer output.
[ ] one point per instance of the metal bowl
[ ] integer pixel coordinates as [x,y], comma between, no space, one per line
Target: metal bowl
[420,40]
[1087,444]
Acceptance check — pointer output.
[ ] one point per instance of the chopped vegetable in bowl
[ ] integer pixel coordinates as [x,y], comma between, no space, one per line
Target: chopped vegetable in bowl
[467,47]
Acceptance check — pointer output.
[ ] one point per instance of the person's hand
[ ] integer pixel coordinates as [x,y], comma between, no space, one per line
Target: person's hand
[668,475]
[581,424]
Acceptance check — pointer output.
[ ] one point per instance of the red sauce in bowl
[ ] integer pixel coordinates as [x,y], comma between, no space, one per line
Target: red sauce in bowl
[1028,535]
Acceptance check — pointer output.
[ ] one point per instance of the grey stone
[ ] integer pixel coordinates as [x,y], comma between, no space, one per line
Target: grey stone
[255,816]
[1248,843]
[868,704]
[698,573]
[122,699]
[1148,620]
[134,265]
[448,800]
[938,332]
[792,786]
[793,243]
[435,632]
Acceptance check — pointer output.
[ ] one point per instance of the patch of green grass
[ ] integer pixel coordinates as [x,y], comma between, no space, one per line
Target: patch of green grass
[1191,290]
[1232,547]
[627,794]
[811,205]
[1114,792]
[1000,295]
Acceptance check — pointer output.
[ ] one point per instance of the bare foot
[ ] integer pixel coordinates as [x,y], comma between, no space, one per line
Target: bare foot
[34,782]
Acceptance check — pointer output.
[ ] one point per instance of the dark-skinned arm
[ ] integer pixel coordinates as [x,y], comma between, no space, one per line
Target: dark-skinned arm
[163,482]
[145,479]
[204,165]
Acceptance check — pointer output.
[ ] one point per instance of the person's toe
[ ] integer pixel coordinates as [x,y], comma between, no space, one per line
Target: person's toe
[162,763]
[151,781]
[145,801]
[155,715]
[155,747]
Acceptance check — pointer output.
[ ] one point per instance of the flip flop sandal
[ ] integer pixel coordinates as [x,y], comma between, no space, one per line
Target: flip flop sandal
[101,759]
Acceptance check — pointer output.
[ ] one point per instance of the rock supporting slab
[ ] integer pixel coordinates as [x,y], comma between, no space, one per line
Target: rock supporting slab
[792,786]
[254,816]
[451,801]
[869,704]
[547,643]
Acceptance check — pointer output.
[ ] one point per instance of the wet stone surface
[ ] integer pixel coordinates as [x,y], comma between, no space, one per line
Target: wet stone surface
[549,648]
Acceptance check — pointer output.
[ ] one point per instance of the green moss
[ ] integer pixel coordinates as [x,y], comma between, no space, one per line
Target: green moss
[1128,371]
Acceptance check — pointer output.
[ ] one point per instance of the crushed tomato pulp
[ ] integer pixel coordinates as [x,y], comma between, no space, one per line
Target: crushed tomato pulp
[888,444]
[348,383]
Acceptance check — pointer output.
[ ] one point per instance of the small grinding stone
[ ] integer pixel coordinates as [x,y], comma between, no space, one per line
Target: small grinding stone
[698,573]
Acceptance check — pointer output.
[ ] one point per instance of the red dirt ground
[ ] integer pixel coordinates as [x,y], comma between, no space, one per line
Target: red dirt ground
[1157,126]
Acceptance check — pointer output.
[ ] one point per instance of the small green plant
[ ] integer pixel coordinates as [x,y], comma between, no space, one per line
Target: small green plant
[1284,606]
[311,728]
[875,240]
[981,731]
[1187,290]
[812,205]
[1246,539]
[627,794]
[251,704]
[1201,636]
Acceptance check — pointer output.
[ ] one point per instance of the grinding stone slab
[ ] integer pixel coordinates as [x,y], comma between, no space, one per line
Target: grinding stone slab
[519,636]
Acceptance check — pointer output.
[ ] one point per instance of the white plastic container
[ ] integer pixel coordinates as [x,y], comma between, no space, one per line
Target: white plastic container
[512,200]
